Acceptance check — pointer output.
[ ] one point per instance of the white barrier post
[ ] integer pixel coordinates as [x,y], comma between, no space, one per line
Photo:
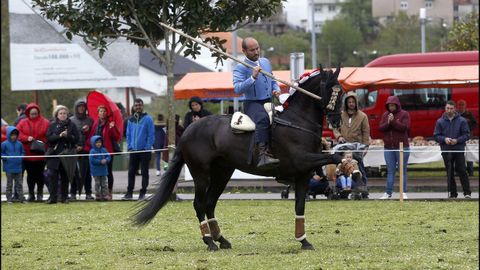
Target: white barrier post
[400,168]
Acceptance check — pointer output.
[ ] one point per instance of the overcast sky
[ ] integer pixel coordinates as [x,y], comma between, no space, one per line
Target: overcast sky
[296,10]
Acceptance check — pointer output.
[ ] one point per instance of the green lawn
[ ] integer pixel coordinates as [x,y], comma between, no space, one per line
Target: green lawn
[346,234]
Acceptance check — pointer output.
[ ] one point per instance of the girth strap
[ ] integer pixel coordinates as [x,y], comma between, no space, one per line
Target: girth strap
[283,122]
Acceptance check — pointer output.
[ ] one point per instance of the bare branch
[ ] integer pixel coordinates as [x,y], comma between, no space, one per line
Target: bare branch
[152,46]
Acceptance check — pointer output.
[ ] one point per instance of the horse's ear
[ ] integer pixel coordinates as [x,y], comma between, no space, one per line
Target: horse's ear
[337,71]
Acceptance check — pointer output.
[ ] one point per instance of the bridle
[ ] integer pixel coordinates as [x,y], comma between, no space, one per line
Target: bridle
[333,98]
[329,109]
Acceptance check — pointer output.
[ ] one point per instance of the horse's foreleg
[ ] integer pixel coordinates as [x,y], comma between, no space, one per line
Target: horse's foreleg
[318,160]
[301,188]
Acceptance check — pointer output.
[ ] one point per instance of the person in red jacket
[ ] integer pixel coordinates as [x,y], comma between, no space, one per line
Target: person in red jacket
[395,125]
[110,134]
[33,127]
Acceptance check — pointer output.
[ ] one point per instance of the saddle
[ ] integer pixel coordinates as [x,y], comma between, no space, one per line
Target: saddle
[241,123]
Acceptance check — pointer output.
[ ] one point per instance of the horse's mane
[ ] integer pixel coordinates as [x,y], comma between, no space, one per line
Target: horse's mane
[318,74]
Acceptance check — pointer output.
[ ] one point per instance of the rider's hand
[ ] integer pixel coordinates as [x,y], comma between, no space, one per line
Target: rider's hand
[276,93]
[256,71]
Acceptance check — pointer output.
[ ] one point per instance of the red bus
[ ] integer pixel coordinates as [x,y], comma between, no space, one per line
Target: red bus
[425,105]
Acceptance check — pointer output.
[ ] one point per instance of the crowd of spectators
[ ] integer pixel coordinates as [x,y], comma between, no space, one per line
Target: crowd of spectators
[77,133]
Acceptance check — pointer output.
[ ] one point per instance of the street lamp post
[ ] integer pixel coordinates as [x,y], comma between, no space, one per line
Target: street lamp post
[235,54]
[314,42]
[423,20]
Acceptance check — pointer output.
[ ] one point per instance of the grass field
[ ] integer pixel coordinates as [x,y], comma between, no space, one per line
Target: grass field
[346,234]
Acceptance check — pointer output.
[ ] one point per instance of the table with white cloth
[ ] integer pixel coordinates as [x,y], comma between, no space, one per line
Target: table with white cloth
[418,154]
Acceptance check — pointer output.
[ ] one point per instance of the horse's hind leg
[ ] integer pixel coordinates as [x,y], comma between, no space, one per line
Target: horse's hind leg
[199,203]
[219,179]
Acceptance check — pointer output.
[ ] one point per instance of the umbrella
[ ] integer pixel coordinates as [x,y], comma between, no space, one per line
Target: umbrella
[96,98]
[69,163]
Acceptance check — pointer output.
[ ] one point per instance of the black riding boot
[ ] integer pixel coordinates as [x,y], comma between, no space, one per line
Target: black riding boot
[264,156]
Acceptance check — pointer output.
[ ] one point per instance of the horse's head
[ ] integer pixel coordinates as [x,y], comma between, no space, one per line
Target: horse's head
[324,83]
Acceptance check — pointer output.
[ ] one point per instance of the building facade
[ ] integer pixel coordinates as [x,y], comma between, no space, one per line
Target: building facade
[299,13]
[442,12]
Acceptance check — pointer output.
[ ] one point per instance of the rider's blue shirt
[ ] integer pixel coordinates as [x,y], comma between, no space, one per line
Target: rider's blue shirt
[252,89]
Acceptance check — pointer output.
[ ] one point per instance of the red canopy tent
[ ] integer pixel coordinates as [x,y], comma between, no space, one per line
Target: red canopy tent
[219,84]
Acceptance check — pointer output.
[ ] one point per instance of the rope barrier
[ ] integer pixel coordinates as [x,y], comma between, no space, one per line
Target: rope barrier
[473,150]
[87,155]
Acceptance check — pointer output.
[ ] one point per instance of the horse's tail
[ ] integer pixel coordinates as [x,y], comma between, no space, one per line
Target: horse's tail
[163,192]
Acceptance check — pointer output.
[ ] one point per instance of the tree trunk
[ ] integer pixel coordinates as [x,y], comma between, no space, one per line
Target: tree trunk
[170,61]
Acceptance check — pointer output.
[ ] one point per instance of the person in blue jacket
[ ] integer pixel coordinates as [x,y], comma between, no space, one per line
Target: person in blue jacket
[13,166]
[452,132]
[99,159]
[140,137]
[257,89]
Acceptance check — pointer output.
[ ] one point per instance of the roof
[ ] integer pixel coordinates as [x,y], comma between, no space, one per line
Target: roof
[227,36]
[182,65]
[219,84]
[430,59]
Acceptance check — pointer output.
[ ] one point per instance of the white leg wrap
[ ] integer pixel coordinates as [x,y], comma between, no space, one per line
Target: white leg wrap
[301,237]
[204,229]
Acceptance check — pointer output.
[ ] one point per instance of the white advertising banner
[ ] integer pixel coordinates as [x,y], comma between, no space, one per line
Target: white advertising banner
[59,66]
[43,58]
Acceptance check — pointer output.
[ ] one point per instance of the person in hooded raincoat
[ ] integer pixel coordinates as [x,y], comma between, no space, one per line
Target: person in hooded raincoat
[84,124]
[395,125]
[196,111]
[33,127]
[354,127]
[13,166]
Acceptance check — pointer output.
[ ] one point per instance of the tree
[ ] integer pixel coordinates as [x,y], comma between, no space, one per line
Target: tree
[402,35]
[342,37]
[464,34]
[281,45]
[100,22]
[360,13]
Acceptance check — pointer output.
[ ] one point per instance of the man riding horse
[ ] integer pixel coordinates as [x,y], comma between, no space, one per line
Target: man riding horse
[257,89]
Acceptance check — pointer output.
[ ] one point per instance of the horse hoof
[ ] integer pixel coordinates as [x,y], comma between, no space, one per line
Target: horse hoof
[212,247]
[308,247]
[224,244]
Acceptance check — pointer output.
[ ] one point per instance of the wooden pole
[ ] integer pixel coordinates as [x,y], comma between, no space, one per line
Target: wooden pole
[127,100]
[400,168]
[35,97]
[238,60]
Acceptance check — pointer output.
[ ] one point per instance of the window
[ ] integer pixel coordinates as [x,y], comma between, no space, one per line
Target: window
[404,5]
[318,8]
[429,4]
[331,8]
[423,98]
[366,98]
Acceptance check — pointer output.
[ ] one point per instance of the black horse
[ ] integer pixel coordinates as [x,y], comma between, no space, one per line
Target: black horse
[212,152]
